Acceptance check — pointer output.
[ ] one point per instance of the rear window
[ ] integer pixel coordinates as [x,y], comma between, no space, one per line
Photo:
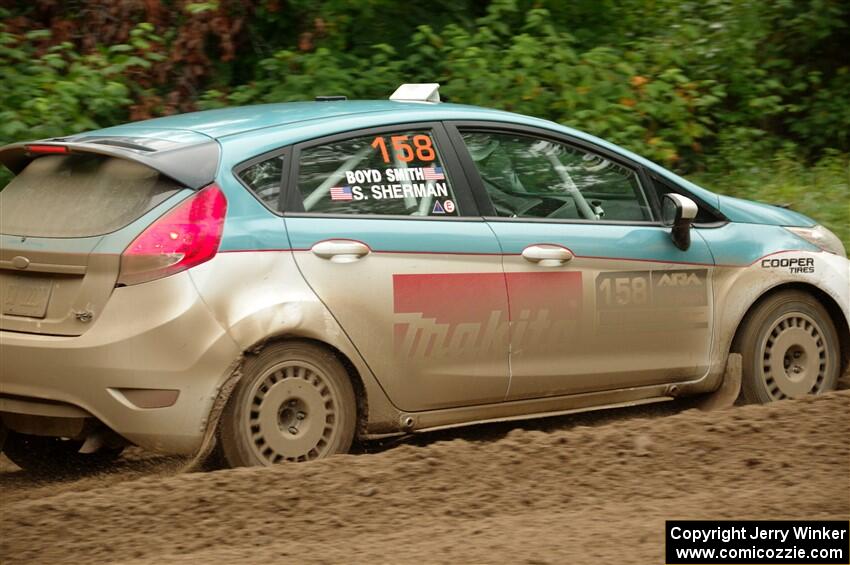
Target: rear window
[79,196]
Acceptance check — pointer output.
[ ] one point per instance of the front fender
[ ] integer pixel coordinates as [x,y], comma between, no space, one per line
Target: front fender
[737,289]
[752,261]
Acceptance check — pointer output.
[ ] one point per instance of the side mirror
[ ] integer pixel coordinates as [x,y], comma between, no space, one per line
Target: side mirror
[678,212]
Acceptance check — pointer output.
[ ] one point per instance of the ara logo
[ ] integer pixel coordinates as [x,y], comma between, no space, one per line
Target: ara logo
[680,279]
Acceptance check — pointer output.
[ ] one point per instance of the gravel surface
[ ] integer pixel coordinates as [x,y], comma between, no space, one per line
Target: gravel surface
[587,488]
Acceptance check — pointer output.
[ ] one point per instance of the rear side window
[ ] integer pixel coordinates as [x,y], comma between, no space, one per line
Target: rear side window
[395,174]
[79,196]
[264,179]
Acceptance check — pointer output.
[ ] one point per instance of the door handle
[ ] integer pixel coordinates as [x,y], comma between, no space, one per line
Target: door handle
[547,255]
[340,250]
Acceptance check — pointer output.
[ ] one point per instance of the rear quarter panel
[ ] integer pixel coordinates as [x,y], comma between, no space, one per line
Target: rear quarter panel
[256,291]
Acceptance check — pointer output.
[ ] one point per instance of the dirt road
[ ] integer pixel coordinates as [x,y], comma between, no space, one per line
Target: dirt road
[578,489]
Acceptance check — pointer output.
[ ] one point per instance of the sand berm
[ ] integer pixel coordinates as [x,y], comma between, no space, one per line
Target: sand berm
[579,490]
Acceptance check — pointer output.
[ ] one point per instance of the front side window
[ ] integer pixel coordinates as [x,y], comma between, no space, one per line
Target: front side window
[529,177]
[264,180]
[392,174]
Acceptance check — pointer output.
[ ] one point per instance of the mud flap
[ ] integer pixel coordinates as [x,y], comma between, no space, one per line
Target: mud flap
[3,433]
[208,444]
[730,388]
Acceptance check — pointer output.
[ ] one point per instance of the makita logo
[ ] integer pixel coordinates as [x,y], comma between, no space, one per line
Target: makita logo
[446,315]
[679,279]
[418,337]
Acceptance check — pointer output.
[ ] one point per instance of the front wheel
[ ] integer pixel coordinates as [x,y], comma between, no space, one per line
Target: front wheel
[790,348]
[53,455]
[294,402]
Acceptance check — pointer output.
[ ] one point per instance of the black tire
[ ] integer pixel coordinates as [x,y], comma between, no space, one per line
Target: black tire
[790,348]
[295,402]
[52,455]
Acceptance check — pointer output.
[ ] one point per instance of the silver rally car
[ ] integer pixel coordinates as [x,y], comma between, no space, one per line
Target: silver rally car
[279,280]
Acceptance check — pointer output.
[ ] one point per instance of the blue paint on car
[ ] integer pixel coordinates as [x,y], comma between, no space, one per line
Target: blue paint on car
[245,132]
[740,244]
[747,211]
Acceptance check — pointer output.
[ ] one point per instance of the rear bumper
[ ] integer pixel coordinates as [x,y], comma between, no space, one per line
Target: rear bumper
[152,342]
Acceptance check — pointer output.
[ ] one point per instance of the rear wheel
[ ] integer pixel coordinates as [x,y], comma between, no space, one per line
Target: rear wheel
[43,455]
[790,349]
[295,402]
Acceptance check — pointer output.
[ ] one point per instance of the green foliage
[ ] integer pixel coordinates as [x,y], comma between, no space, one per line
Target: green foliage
[628,95]
[821,191]
[674,80]
[54,91]
[200,7]
[714,88]
[682,80]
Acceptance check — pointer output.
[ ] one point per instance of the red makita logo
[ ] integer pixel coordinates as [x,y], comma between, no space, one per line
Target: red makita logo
[452,314]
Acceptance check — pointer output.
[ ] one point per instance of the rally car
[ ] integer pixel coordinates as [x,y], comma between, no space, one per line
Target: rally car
[279,280]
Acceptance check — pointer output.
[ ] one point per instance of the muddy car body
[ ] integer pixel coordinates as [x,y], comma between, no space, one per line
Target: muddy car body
[332,269]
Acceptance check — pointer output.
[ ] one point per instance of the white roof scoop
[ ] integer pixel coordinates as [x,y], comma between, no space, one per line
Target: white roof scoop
[419,92]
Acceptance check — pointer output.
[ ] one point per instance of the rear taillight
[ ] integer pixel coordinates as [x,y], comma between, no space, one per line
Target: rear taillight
[47,149]
[186,236]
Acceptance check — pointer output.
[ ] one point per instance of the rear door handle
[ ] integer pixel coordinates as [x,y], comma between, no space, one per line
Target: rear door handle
[547,255]
[340,250]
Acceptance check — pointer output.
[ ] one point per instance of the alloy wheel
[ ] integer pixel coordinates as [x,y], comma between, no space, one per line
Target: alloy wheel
[293,413]
[795,360]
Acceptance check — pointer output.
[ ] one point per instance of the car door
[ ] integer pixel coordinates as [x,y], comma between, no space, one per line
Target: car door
[599,296]
[385,231]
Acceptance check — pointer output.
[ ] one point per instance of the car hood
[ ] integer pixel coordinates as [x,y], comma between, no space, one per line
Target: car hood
[747,211]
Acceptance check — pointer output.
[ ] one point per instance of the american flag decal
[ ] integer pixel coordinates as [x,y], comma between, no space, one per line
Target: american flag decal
[341,193]
[434,173]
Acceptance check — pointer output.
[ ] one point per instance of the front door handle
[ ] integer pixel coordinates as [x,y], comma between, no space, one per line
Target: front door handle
[547,255]
[340,250]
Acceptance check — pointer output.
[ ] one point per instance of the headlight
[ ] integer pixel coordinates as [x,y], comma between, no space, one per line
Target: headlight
[821,237]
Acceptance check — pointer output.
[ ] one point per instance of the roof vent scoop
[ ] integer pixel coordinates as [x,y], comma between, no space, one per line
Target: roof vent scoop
[421,92]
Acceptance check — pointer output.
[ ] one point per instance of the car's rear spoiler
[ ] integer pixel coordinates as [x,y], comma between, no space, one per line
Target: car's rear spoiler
[191,165]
